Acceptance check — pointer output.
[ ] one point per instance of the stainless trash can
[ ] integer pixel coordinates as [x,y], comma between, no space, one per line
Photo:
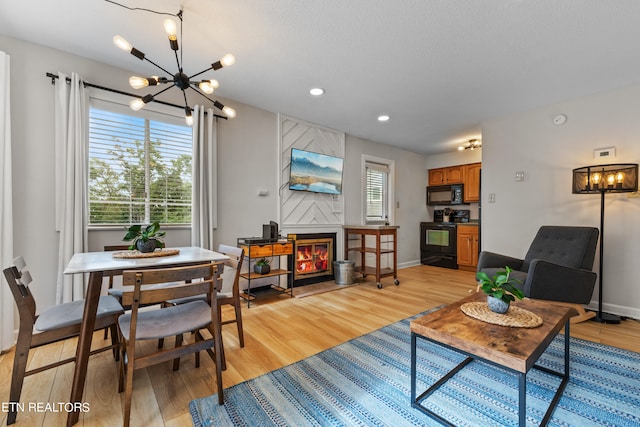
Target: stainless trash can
[343,272]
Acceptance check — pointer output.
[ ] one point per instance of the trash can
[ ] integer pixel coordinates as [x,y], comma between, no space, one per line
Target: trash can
[343,272]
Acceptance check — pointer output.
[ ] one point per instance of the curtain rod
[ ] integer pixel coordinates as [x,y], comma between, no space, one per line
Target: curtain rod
[108,89]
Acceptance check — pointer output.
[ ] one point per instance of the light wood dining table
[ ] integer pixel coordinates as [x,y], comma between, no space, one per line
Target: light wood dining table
[96,264]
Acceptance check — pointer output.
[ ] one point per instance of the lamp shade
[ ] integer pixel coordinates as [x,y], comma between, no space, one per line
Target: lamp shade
[614,178]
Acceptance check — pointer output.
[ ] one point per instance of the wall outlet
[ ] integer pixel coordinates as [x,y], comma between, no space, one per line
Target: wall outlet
[492,197]
[519,176]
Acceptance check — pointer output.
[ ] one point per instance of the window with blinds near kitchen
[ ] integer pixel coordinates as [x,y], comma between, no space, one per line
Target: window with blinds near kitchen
[376,192]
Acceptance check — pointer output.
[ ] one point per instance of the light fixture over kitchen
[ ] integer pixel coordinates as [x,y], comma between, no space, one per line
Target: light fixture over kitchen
[471,144]
[179,79]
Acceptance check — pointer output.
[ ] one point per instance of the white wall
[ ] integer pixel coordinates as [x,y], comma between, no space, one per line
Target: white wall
[410,184]
[547,153]
[247,161]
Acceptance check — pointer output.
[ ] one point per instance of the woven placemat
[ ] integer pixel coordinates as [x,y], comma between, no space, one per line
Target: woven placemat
[516,317]
[138,254]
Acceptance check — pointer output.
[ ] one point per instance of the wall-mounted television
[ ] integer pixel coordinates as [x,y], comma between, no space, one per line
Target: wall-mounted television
[315,172]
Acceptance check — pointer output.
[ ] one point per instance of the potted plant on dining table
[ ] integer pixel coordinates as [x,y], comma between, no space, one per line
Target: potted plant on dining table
[146,239]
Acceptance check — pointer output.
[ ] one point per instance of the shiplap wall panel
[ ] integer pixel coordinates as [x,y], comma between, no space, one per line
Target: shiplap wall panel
[301,208]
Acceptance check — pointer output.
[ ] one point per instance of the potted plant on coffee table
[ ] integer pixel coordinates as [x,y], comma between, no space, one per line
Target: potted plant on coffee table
[145,239]
[262,266]
[501,289]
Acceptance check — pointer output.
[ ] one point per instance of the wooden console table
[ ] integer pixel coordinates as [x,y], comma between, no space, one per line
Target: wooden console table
[254,248]
[390,246]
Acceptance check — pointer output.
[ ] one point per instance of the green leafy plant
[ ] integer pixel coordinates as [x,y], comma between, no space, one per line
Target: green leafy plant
[501,285]
[137,233]
[263,261]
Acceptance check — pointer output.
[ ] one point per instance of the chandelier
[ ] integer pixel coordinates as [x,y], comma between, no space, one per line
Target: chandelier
[471,144]
[180,80]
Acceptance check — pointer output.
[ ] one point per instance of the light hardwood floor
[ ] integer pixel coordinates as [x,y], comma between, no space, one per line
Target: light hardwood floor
[278,331]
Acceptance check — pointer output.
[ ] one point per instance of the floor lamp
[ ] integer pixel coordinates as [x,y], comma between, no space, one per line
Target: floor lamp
[614,178]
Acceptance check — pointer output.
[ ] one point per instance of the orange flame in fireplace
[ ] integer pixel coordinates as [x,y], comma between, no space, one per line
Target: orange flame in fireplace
[312,258]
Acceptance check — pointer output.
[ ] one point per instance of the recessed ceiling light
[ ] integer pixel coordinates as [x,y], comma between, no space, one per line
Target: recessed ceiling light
[316,91]
[383,118]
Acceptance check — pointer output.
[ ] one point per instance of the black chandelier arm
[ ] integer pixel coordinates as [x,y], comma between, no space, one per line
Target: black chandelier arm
[147,59]
[158,93]
[178,60]
[201,72]
[215,103]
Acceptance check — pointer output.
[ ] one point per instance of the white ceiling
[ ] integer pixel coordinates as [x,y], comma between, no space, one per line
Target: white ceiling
[439,68]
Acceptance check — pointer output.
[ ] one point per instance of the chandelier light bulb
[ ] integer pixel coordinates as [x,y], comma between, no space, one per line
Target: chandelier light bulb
[122,43]
[619,177]
[189,120]
[138,82]
[208,86]
[230,112]
[228,60]
[136,104]
[171,28]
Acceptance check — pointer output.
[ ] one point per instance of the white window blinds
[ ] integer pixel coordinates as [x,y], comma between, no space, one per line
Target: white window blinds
[376,192]
[140,166]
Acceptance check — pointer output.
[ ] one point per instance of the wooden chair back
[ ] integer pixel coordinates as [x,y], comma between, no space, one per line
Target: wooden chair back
[18,279]
[236,258]
[205,279]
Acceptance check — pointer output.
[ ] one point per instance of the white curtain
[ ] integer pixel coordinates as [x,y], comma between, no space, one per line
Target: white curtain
[6,215]
[205,210]
[71,123]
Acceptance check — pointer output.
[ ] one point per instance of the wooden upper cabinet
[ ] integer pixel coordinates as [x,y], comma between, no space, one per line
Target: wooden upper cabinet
[450,175]
[437,176]
[472,182]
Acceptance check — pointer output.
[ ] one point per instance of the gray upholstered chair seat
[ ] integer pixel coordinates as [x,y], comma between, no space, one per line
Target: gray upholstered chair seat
[169,321]
[61,315]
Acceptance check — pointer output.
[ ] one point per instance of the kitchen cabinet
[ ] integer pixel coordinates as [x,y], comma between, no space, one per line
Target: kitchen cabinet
[468,248]
[449,175]
[472,182]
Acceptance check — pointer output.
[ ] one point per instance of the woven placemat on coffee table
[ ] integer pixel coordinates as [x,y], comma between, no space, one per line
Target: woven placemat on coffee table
[516,317]
[138,254]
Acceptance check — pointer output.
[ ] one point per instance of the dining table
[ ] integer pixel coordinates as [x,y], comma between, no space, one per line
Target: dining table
[96,264]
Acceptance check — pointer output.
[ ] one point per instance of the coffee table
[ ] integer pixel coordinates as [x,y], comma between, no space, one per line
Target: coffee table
[513,349]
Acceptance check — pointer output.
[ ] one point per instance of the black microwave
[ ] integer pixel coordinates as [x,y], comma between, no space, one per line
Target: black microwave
[441,195]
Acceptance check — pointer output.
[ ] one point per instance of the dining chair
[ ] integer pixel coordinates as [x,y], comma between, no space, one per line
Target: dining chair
[53,324]
[163,322]
[111,274]
[229,293]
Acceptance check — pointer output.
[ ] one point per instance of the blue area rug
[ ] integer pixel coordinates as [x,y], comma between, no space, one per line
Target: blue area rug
[366,382]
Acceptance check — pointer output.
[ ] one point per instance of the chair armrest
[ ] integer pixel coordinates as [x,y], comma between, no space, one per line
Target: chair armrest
[554,282]
[493,260]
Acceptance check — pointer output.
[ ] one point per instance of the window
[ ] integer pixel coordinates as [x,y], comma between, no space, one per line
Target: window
[139,166]
[377,190]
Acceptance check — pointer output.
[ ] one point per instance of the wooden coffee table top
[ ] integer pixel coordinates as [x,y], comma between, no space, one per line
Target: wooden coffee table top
[514,348]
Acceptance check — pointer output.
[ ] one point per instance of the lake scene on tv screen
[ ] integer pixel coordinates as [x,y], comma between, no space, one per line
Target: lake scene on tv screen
[315,172]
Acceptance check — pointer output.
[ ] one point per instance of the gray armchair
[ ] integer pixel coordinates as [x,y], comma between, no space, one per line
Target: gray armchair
[557,266]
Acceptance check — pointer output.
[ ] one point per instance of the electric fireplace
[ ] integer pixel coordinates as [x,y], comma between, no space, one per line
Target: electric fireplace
[312,259]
